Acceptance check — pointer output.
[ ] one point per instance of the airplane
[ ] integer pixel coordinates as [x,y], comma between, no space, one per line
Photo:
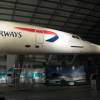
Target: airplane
[21,38]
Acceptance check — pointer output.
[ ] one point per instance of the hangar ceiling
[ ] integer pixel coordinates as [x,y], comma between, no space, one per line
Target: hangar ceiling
[81,17]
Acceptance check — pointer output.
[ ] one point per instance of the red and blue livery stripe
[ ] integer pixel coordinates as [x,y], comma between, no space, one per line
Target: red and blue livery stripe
[53,39]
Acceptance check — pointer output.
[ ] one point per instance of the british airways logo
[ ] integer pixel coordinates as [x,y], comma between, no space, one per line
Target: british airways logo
[52,39]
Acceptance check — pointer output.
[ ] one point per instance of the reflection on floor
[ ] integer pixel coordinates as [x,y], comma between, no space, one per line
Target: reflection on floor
[50,93]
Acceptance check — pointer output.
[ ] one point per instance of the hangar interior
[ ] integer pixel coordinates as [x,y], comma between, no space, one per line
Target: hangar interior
[80,17]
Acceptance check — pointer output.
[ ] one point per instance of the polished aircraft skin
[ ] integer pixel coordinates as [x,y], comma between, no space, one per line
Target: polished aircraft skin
[20,38]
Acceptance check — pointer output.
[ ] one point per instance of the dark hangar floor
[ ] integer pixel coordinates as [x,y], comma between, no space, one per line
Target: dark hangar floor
[51,93]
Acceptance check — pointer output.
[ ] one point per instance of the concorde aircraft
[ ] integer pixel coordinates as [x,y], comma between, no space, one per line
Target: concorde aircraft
[19,38]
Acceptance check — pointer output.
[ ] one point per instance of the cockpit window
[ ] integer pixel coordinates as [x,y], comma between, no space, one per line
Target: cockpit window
[75,36]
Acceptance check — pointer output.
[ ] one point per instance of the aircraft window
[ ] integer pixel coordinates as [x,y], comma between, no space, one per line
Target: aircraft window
[75,36]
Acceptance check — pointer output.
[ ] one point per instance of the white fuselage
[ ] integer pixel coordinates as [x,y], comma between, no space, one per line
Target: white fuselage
[22,38]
